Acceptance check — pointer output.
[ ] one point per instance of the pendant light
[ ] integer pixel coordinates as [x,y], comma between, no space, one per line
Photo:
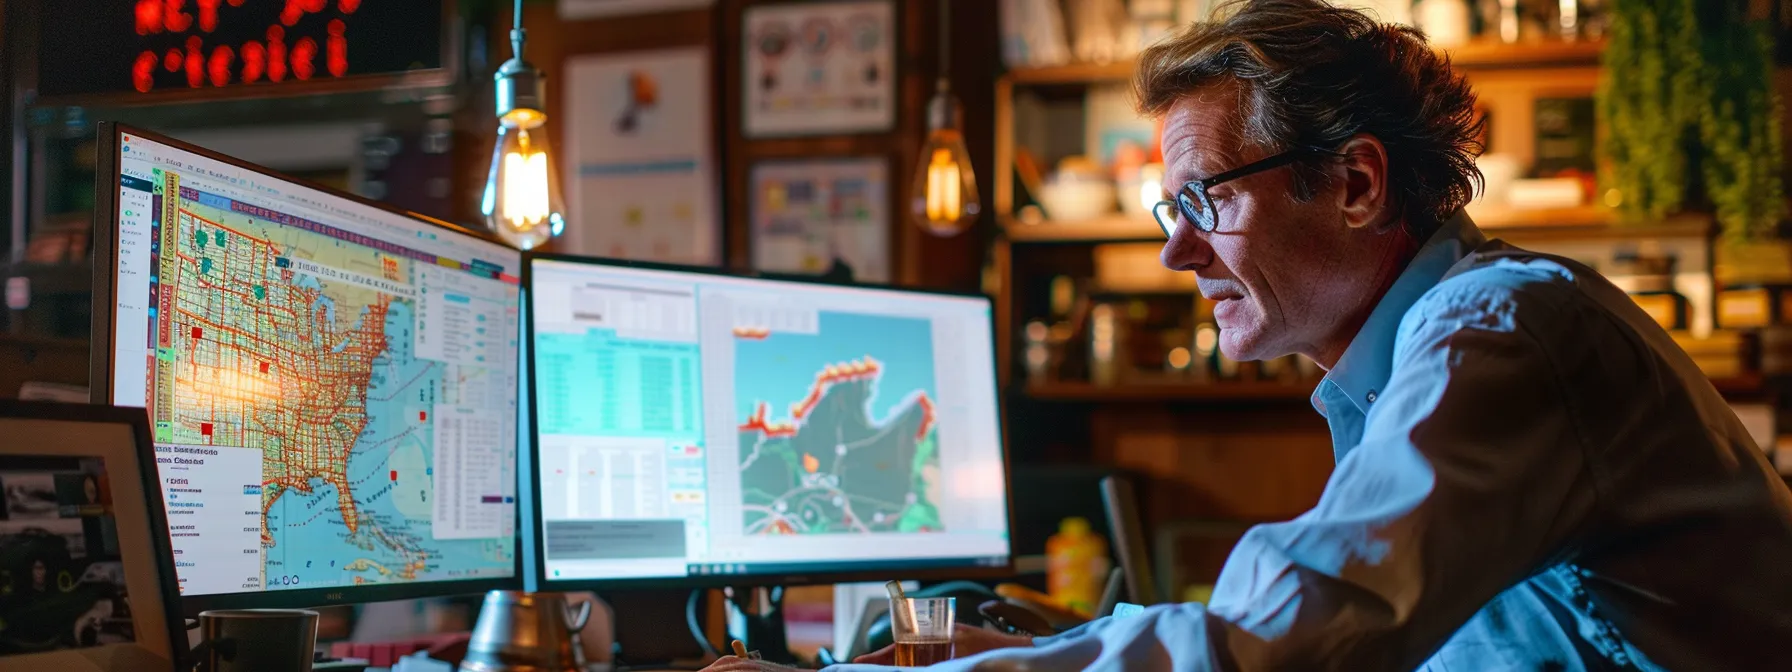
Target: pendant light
[944,198]
[522,195]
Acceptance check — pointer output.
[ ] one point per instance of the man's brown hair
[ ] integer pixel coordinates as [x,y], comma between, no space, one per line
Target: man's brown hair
[1313,74]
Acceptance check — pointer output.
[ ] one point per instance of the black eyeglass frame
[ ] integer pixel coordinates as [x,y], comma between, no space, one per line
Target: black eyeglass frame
[1196,205]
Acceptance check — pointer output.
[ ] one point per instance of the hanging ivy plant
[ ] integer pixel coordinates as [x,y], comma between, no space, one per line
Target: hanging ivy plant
[1691,115]
[1740,125]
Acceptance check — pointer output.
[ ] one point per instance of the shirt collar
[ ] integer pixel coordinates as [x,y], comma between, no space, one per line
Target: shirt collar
[1368,361]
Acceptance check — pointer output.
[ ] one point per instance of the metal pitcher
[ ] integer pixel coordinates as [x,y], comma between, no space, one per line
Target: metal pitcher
[527,632]
[256,640]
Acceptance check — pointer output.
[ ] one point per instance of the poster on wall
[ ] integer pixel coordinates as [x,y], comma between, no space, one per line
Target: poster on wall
[819,68]
[808,214]
[640,157]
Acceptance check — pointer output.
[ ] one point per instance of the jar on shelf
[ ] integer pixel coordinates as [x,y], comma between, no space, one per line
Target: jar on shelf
[1651,284]
[1104,339]
[1746,306]
[1037,351]
[1206,348]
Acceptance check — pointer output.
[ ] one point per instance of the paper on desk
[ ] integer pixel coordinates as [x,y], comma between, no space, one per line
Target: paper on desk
[421,662]
[42,391]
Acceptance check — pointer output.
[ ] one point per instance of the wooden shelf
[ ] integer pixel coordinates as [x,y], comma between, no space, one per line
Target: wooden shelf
[1478,55]
[1555,224]
[1745,385]
[1074,73]
[1589,222]
[1219,391]
[1490,218]
[1108,229]
[1494,54]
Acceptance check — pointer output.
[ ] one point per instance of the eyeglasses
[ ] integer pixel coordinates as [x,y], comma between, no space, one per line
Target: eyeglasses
[1197,206]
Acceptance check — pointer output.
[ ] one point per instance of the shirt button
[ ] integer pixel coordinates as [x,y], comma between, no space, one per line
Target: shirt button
[1371,396]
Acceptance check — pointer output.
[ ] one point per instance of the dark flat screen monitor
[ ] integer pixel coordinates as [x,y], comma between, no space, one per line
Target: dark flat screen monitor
[697,428]
[331,384]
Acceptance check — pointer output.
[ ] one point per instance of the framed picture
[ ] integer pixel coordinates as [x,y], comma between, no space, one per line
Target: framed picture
[808,216]
[819,68]
[595,9]
[85,561]
[640,157]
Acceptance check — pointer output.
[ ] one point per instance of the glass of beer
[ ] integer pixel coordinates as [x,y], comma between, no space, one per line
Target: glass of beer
[922,627]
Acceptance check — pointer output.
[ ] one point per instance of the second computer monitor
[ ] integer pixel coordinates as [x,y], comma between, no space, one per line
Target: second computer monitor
[332,384]
[692,426]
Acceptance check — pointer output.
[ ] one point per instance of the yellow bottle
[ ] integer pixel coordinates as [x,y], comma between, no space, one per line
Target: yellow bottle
[1076,566]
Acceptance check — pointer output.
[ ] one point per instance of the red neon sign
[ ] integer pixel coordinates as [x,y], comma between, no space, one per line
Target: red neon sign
[255,61]
[276,54]
[221,65]
[302,55]
[208,15]
[338,48]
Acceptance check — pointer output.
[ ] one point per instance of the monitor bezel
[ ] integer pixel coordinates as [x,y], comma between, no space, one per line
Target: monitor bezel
[537,577]
[103,346]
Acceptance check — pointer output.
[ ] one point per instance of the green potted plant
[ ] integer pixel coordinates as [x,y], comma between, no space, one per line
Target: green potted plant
[1690,116]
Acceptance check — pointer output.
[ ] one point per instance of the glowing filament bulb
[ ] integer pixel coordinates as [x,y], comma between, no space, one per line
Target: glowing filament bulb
[944,194]
[525,185]
[520,203]
[944,202]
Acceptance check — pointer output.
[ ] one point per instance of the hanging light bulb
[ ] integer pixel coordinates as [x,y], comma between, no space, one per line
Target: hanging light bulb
[522,196]
[944,201]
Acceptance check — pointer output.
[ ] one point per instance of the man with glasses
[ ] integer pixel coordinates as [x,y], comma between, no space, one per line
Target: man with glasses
[1530,474]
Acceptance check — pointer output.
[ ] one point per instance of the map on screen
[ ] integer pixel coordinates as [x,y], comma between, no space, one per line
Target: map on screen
[333,401]
[852,448]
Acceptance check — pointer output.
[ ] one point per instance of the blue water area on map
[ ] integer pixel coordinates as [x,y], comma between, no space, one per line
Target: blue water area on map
[780,369]
[598,384]
[323,303]
[309,528]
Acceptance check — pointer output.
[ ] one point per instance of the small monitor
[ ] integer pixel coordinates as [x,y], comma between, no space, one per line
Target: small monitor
[331,384]
[699,428]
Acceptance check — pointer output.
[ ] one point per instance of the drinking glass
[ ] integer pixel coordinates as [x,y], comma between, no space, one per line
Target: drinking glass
[922,627]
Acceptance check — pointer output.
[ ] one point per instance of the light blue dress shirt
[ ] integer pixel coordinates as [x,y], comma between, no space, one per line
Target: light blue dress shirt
[1530,476]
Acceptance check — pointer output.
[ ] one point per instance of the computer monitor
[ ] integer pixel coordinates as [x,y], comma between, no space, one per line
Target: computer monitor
[696,428]
[331,383]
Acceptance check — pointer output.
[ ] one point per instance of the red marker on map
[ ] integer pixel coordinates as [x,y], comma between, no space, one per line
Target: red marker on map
[205,428]
[264,367]
[395,474]
[422,416]
[198,332]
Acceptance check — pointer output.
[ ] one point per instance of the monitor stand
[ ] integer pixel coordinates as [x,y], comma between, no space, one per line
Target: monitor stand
[756,619]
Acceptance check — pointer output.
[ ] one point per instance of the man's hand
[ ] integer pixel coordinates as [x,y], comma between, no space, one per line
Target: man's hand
[734,664]
[966,641]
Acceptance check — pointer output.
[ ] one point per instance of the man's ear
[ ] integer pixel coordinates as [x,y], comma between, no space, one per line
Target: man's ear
[1362,171]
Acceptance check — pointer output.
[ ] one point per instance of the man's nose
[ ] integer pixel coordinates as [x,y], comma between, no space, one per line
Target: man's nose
[1186,250]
